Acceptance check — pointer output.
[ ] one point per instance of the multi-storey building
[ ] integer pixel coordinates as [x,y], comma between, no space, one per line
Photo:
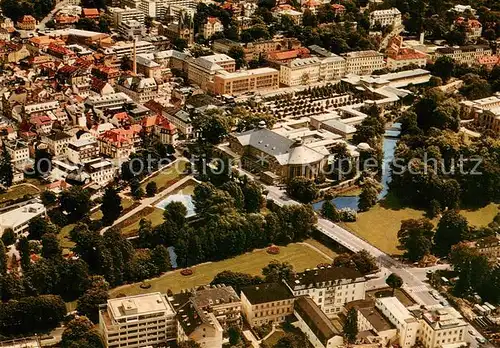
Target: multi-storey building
[331,288]
[386,17]
[131,29]
[486,112]
[473,27]
[137,321]
[108,101]
[18,219]
[122,49]
[115,145]
[220,300]
[139,89]
[464,54]
[82,150]
[441,327]
[266,303]
[332,68]
[300,71]
[57,143]
[202,70]
[399,316]
[101,171]
[27,22]
[126,14]
[257,49]
[251,80]
[399,57]
[19,152]
[317,327]
[193,323]
[363,62]
[212,26]
[181,120]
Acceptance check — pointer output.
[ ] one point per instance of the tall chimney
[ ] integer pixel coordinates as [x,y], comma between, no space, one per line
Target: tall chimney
[422,37]
[134,58]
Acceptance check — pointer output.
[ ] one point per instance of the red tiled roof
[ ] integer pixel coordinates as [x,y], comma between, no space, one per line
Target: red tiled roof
[27,19]
[90,12]
[407,53]
[213,20]
[471,23]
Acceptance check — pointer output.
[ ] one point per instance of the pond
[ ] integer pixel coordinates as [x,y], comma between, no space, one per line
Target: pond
[390,142]
[185,199]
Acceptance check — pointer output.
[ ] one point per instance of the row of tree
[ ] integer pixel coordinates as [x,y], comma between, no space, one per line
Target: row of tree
[419,238]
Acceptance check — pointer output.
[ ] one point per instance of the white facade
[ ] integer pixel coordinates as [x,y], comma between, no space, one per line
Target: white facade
[19,218]
[386,17]
[464,54]
[330,288]
[137,321]
[442,327]
[126,14]
[400,317]
[332,68]
[363,62]
[300,71]
[123,49]
[19,152]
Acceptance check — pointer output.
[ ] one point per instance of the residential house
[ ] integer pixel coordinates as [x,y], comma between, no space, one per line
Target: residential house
[57,143]
[330,288]
[27,22]
[266,303]
[212,26]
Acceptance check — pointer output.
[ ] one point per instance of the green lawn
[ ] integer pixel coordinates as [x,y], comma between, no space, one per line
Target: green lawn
[165,177]
[299,255]
[130,226]
[380,225]
[322,247]
[17,192]
[64,240]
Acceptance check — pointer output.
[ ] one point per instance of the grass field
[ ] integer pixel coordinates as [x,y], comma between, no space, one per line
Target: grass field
[17,192]
[165,177]
[320,246]
[130,226]
[381,224]
[274,338]
[64,240]
[299,255]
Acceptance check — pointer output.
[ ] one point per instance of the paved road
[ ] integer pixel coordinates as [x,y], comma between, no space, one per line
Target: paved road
[50,15]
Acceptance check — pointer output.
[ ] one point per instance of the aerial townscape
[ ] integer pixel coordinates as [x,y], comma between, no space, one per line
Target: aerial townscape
[250,173]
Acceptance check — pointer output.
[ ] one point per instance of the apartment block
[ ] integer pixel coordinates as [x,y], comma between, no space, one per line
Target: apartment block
[266,303]
[137,321]
[330,288]
[441,327]
[363,62]
[122,49]
[386,17]
[332,68]
[193,323]
[464,54]
[57,143]
[126,14]
[243,81]
[82,150]
[400,317]
[18,151]
[301,71]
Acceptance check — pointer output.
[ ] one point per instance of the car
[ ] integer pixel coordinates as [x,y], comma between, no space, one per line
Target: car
[481,340]
[472,332]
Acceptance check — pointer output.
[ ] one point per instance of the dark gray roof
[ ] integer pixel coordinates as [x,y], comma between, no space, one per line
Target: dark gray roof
[269,292]
[266,141]
[315,319]
[318,276]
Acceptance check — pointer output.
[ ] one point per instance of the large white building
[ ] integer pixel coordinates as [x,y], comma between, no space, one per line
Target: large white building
[300,71]
[330,288]
[126,14]
[442,327]
[123,49]
[363,62]
[19,152]
[332,68]
[464,54]
[137,321]
[19,218]
[386,17]
[400,317]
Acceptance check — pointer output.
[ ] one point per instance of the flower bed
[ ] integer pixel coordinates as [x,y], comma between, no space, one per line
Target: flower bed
[187,272]
[273,250]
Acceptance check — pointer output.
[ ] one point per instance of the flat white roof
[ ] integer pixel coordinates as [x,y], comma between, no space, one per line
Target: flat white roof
[138,305]
[397,309]
[21,215]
